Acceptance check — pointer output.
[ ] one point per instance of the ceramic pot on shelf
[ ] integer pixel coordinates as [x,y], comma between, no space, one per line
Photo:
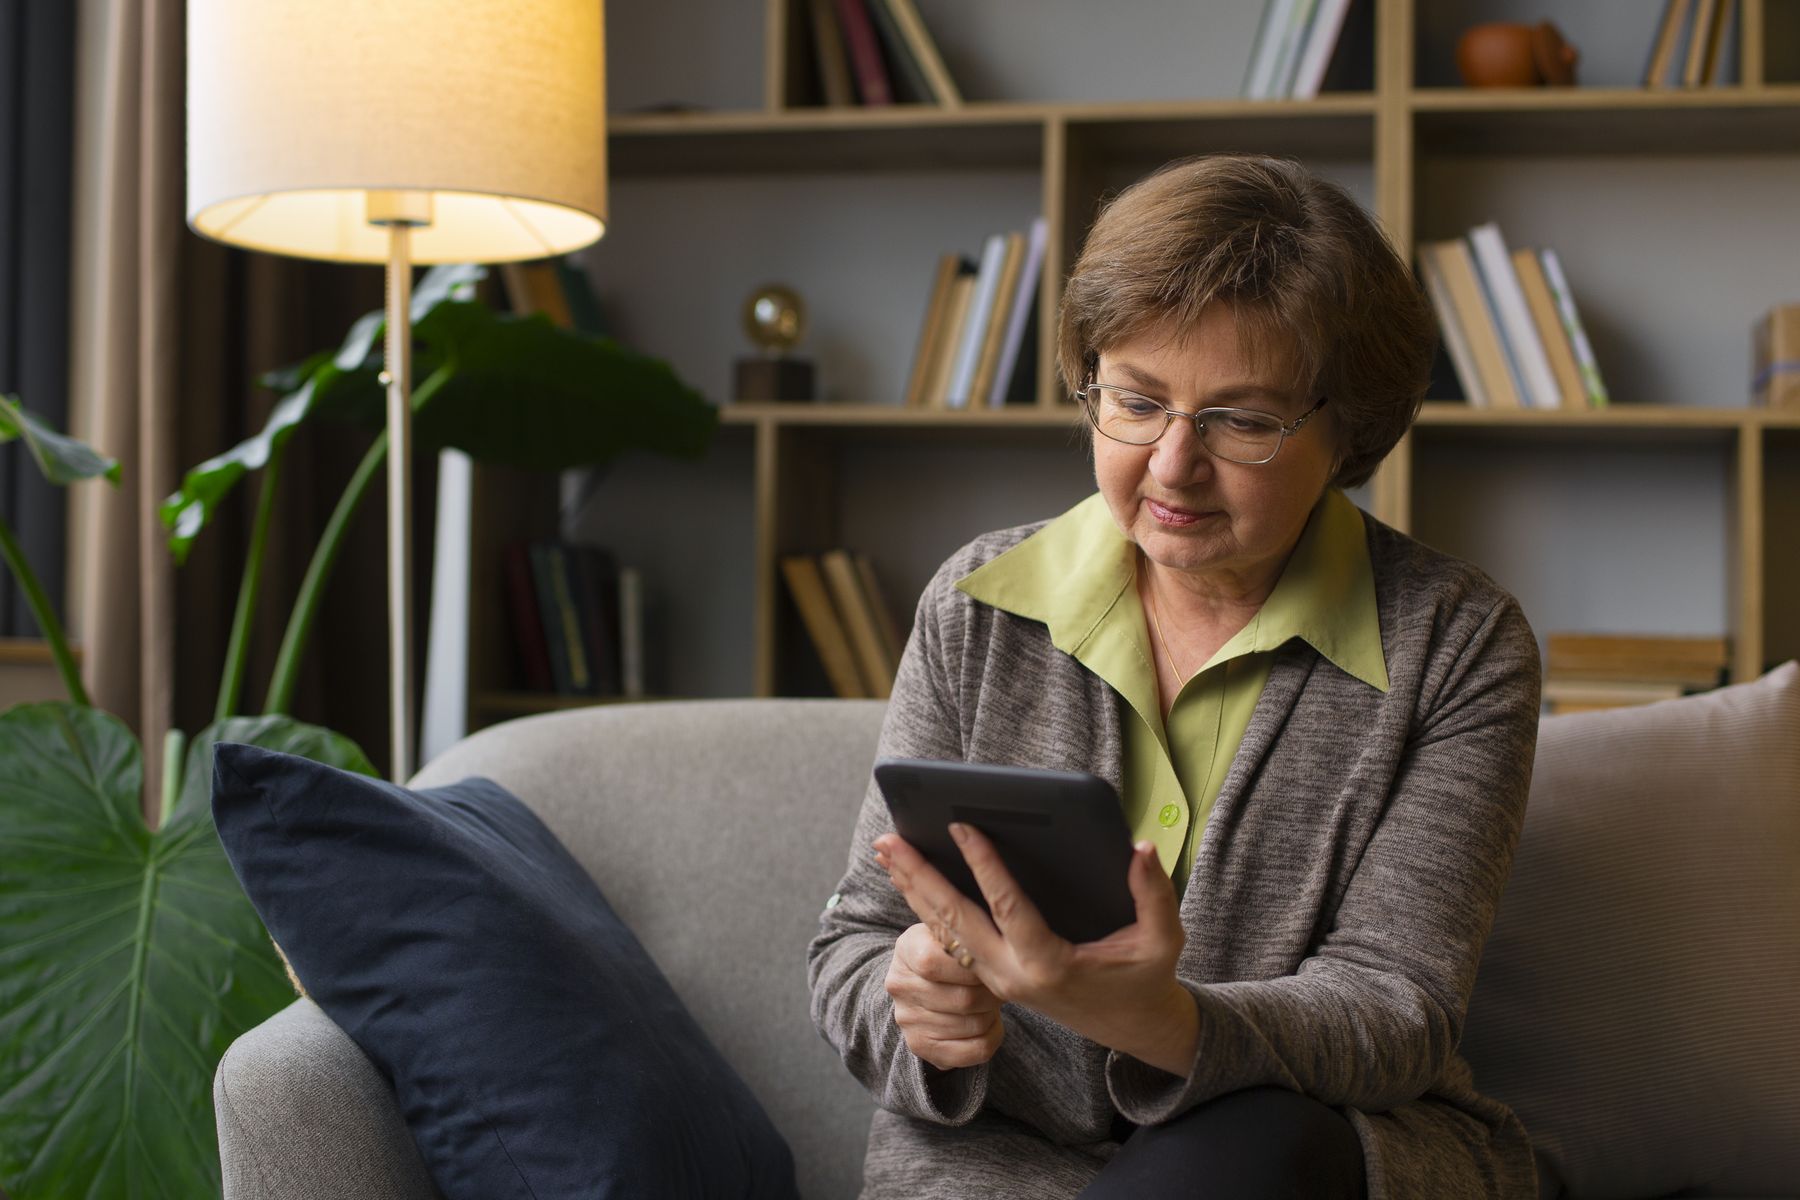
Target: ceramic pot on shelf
[1506,54]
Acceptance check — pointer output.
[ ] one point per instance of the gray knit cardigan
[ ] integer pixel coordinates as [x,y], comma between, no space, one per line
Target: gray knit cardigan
[1344,885]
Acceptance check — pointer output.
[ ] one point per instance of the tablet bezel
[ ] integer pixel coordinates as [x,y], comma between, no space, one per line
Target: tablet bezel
[1061,834]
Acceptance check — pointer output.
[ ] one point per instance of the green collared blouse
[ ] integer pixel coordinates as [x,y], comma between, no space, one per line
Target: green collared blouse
[1076,575]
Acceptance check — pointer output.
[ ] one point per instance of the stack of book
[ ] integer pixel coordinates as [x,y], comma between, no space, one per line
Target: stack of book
[877,52]
[1693,45]
[1294,46]
[1509,323]
[979,320]
[1589,671]
[849,623]
[577,619]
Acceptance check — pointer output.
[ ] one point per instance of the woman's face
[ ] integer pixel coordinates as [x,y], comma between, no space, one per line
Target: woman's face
[1228,525]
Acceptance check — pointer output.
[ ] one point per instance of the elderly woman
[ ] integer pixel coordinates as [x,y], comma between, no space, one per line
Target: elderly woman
[1321,732]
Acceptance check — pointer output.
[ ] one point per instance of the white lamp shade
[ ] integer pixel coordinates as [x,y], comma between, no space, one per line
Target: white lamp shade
[298,109]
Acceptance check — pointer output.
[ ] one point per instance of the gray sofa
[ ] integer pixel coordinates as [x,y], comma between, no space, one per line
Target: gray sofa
[758,797]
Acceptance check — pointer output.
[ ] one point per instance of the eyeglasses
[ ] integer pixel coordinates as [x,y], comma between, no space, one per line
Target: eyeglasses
[1240,435]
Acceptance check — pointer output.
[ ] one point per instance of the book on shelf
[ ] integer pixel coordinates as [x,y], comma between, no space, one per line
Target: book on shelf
[945,352]
[572,617]
[934,329]
[1509,323]
[912,56]
[1462,304]
[562,624]
[557,287]
[1322,33]
[1693,45]
[596,579]
[830,637]
[1297,43]
[999,320]
[979,318]
[530,646]
[877,53]
[857,612]
[1597,395]
[535,287]
[1581,695]
[1024,308]
[1501,283]
[1571,393]
[892,639]
[974,331]
[830,56]
[1775,358]
[1690,662]
[1588,671]
[873,87]
[631,634]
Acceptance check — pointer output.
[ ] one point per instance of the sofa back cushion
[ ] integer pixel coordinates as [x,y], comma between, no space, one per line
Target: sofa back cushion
[718,829]
[1638,1002]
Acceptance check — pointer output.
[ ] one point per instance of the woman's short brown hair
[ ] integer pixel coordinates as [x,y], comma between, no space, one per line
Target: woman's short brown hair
[1320,296]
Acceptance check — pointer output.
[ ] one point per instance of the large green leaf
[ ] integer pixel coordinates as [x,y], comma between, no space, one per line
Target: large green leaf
[525,392]
[61,458]
[129,959]
[189,510]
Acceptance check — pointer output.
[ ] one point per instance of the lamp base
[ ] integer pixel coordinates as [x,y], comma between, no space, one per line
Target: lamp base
[760,380]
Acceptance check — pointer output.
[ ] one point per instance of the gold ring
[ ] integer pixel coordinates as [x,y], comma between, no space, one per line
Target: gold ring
[967,959]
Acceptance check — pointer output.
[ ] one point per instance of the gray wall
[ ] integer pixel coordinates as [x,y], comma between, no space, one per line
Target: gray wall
[1625,534]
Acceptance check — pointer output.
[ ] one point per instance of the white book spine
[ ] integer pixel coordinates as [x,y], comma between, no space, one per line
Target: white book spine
[1026,296]
[445,712]
[1491,255]
[1320,42]
[1298,23]
[1261,83]
[1571,322]
[981,308]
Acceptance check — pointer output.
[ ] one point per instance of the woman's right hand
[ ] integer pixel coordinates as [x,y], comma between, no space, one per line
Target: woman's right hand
[949,1017]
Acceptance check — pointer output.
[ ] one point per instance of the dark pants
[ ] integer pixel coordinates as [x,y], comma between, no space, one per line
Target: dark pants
[1261,1143]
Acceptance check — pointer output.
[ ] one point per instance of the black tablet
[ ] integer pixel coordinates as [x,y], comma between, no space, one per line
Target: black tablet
[1062,834]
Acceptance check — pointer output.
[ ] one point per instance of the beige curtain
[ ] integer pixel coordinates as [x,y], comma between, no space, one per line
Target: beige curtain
[168,332]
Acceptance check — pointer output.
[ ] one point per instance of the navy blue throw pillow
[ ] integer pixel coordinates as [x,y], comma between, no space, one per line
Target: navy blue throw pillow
[536,1050]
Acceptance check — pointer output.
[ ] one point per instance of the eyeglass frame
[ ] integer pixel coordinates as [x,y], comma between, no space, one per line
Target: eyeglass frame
[1286,430]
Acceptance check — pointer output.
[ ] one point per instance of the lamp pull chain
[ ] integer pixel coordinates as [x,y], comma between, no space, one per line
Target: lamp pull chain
[398,361]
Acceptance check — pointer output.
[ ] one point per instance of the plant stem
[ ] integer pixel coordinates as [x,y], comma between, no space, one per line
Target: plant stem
[174,751]
[231,683]
[312,588]
[47,623]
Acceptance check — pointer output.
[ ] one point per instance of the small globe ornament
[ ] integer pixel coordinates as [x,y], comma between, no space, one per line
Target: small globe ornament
[775,318]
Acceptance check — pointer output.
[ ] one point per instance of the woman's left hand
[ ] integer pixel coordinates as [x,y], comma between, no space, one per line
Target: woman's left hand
[1120,991]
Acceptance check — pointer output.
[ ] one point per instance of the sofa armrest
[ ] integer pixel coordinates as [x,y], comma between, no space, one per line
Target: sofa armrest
[304,1115]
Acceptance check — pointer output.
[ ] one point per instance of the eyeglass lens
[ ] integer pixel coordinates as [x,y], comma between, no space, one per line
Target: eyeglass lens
[1236,434]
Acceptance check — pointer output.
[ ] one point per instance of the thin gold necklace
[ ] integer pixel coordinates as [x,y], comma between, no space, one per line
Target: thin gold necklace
[1156,623]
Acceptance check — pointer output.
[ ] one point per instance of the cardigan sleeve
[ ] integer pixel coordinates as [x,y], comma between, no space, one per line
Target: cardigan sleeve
[847,962]
[1373,1017]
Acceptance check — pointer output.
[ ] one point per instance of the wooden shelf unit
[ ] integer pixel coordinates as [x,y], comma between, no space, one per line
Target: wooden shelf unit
[1073,146]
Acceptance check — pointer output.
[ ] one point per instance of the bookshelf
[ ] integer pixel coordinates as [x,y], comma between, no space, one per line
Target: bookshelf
[1600,171]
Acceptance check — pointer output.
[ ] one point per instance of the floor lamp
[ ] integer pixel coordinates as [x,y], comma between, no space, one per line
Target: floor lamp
[403,132]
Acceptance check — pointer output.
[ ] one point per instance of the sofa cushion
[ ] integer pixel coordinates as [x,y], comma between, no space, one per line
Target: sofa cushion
[1636,1003]
[534,1047]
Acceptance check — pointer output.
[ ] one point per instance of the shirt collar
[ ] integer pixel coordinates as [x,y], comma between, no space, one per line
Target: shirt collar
[1071,573]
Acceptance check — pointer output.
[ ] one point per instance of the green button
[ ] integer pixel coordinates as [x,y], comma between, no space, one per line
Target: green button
[1170,814]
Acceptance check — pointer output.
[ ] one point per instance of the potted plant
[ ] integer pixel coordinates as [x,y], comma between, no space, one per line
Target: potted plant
[129,957]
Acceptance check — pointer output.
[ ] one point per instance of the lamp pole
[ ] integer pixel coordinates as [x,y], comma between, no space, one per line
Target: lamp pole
[399,212]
